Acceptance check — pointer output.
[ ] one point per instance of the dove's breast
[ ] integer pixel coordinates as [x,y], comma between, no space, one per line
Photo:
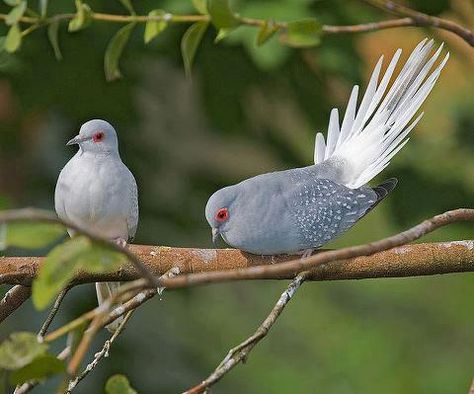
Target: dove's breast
[97,193]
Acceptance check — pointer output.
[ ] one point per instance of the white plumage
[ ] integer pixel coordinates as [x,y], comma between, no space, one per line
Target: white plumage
[96,191]
[372,134]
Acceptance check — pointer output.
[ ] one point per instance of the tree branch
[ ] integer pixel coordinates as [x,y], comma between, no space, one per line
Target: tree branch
[104,314]
[13,299]
[200,266]
[98,356]
[52,313]
[413,18]
[388,257]
[421,19]
[38,215]
[409,260]
[240,353]
[293,267]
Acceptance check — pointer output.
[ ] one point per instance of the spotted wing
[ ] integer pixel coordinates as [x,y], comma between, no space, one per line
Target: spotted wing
[324,209]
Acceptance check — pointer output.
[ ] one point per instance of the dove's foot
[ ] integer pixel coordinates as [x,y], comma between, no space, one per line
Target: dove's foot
[121,242]
[306,253]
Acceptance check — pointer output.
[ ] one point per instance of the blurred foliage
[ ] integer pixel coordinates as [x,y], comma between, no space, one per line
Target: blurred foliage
[118,384]
[250,109]
[24,358]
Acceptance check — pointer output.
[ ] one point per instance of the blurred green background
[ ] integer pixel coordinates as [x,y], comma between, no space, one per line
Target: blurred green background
[250,110]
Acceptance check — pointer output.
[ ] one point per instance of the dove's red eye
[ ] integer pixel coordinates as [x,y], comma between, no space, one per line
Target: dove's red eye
[98,137]
[222,215]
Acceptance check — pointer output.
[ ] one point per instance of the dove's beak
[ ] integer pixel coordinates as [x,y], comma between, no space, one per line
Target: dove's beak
[75,140]
[215,234]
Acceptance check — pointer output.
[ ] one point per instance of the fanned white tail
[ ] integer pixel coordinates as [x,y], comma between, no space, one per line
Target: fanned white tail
[369,137]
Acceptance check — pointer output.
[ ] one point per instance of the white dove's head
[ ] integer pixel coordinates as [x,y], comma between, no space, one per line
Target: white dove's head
[98,136]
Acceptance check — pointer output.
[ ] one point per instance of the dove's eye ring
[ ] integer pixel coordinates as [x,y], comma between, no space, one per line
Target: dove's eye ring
[222,215]
[98,137]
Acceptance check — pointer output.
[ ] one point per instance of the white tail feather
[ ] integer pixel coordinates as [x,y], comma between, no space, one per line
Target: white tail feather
[370,136]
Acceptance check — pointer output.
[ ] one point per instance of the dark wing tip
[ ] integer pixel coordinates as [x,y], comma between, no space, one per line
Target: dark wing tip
[384,189]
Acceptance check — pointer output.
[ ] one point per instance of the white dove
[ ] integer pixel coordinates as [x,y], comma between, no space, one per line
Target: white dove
[96,191]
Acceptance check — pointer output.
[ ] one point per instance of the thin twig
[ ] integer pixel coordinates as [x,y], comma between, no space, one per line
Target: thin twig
[52,313]
[13,299]
[123,294]
[139,298]
[413,19]
[421,19]
[103,317]
[240,353]
[85,343]
[104,352]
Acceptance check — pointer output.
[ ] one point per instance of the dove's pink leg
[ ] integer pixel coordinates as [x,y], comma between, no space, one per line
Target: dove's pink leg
[306,253]
[121,242]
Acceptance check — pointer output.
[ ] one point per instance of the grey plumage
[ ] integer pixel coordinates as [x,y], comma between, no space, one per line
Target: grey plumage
[304,208]
[288,211]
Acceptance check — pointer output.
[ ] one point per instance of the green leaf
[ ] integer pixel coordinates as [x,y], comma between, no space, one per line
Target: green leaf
[101,259]
[222,33]
[7,63]
[119,384]
[13,39]
[53,33]
[153,28]
[19,350]
[190,42]
[43,7]
[114,50]
[41,367]
[57,270]
[16,13]
[303,33]
[12,3]
[60,265]
[221,14]
[128,5]
[266,32]
[200,6]
[82,18]
[30,235]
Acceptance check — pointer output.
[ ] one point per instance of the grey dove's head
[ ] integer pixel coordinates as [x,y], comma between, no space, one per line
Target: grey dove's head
[220,209]
[96,136]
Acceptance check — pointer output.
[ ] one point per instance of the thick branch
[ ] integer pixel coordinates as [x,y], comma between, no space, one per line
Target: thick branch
[38,215]
[13,299]
[408,260]
[24,270]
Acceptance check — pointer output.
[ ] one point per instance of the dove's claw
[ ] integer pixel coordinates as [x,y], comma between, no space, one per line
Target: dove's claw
[121,242]
[306,253]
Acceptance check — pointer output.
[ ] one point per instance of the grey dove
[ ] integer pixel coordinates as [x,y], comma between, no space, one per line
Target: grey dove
[96,191]
[301,209]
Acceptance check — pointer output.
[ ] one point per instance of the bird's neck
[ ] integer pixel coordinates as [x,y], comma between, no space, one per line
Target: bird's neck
[98,155]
